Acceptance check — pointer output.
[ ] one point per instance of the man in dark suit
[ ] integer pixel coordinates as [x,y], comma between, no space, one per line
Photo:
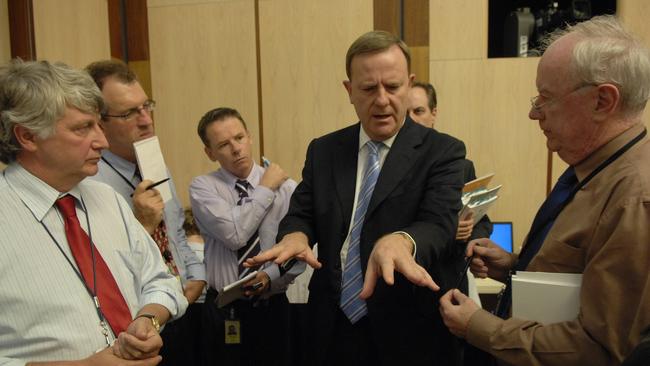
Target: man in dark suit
[379,197]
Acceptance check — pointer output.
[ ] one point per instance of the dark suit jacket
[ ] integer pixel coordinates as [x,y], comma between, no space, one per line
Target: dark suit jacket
[418,191]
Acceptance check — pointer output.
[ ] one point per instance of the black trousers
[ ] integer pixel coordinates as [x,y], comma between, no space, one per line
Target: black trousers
[182,338]
[264,330]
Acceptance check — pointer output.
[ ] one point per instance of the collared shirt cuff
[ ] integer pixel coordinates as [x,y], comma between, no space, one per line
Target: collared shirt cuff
[481,326]
[410,238]
[176,307]
[196,272]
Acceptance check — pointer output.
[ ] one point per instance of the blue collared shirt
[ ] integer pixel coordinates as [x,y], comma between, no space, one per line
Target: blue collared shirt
[226,226]
[189,265]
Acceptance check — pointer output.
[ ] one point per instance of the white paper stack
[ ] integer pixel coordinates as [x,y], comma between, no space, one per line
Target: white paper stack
[546,297]
[152,164]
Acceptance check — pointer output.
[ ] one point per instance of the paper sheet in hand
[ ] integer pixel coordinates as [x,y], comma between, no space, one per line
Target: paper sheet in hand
[233,291]
[152,164]
[546,297]
[478,184]
[478,204]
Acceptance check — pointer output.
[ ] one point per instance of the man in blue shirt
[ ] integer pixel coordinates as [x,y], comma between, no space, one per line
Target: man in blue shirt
[126,119]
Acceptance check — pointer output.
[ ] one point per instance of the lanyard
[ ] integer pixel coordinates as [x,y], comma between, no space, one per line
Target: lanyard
[91,292]
[584,182]
[118,173]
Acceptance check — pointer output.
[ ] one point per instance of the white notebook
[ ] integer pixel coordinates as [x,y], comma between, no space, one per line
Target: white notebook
[546,297]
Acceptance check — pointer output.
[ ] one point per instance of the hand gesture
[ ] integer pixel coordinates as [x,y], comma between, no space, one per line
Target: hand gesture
[392,253]
[294,245]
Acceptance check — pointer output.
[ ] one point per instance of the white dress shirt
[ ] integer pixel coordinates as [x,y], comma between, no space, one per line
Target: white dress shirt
[361,165]
[45,311]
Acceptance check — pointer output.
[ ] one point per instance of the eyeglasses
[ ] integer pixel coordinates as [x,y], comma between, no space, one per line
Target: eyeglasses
[147,106]
[534,101]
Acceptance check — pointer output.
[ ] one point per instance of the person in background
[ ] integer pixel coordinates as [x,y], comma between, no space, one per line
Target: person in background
[125,120]
[237,209]
[593,82]
[81,279]
[423,109]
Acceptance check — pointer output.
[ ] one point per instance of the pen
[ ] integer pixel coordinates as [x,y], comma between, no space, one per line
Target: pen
[153,185]
[468,261]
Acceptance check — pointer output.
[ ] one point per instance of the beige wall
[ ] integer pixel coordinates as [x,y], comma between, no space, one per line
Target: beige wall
[202,56]
[302,47]
[485,103]
[5,46]
[71,31]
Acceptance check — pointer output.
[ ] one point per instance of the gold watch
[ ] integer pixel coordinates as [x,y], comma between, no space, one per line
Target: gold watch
[154,320]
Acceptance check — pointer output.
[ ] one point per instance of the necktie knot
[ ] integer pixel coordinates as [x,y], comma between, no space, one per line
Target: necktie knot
[568,178]
[66,206]
[374,147]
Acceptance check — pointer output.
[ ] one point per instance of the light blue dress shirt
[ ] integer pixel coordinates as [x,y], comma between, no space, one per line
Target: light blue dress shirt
[190,267]
[226,227]
[45,311]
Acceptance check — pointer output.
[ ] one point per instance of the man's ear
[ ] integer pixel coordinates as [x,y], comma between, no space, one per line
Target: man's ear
[348,87]
[26,138]
[411,80]
[609,99]
[208,152]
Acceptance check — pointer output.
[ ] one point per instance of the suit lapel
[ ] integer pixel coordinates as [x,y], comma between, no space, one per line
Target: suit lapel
[345,172]
[399,160]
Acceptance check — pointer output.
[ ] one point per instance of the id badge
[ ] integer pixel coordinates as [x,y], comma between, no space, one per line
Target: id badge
[232,331]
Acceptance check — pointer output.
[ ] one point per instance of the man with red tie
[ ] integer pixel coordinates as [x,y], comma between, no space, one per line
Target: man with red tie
[80,278]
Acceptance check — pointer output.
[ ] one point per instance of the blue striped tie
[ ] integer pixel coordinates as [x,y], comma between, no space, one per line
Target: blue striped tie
[354,307]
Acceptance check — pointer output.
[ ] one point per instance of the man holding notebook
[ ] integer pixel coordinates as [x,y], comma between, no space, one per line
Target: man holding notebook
[126,119]
[238,208]
[593,88]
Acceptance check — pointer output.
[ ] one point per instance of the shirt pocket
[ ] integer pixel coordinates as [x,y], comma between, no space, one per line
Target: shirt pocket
[558,256]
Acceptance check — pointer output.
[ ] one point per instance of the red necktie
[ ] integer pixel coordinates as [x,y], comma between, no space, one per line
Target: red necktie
[162,241]
[112,303]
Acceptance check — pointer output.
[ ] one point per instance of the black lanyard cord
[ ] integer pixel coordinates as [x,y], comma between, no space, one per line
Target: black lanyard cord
[118,173]
[587,179]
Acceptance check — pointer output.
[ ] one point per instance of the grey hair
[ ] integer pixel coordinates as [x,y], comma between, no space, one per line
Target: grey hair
[607,53]
[35,95]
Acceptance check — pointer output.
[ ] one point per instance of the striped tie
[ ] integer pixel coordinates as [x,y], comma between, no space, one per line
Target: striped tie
[252,247]
[354,307]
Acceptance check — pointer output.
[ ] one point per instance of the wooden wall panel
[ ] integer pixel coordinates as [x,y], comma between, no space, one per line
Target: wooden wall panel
[71,31]
[302,50]
[634,14]
[485,104]
[5,46]
[202,56]
[458,29]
